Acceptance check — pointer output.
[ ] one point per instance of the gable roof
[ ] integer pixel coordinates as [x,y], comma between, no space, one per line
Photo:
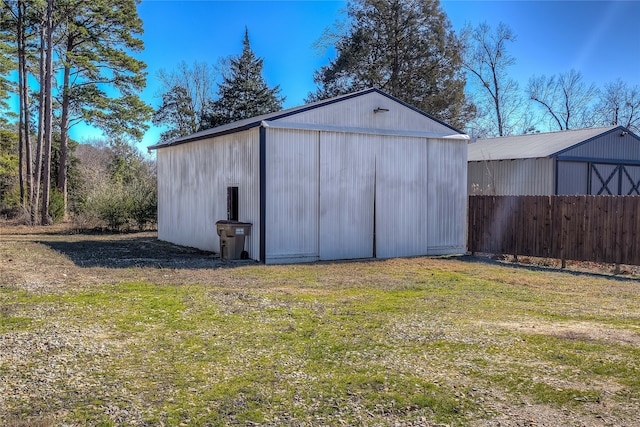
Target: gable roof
[252,122]
[537,145]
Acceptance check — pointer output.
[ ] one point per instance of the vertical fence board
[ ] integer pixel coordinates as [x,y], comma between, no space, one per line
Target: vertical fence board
[548,227]
[584,228]
[579,230]
[555,207]
[609,226]
[567,229]
[589,241]
[627,217]
[599,227]
[630,228]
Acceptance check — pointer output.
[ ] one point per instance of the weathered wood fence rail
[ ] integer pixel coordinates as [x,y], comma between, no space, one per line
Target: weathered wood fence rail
[581,228]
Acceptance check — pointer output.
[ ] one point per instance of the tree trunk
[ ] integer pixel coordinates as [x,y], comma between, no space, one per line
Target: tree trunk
[496,99]
[25,105]
[48,81]
[64,137]
[39,143]
[22,114]
[27,145]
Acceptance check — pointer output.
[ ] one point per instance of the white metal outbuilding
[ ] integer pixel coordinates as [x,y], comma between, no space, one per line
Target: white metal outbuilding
[358,176]
[595,161]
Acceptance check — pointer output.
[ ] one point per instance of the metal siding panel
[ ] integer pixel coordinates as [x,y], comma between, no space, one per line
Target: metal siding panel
[608,147]
[447,198]
[359,113]
[531,177]
[478,181]
[573,178]
[351,165]
[183,209]
[192,181]
[165,207]
[291,196]
[243,170]
[346,196]
[525,177]
[402,199]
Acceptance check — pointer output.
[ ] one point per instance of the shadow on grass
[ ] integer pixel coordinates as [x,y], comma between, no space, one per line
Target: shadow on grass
[137,252]
[549,269]
[130,251]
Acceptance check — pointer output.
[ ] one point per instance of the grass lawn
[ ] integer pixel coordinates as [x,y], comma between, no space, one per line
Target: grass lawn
[409,342]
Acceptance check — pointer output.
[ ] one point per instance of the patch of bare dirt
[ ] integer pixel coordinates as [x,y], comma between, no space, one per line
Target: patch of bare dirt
[537,415]
[583,331]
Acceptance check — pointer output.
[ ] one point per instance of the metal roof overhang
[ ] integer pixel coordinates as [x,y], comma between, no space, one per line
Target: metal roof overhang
[531,146]
[365,131]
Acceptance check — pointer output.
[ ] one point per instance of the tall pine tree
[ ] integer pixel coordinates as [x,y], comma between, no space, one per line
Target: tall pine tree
[243,92]
[97,38]
[7,62]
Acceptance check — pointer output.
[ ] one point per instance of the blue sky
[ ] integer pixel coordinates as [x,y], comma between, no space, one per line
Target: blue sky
[599,39]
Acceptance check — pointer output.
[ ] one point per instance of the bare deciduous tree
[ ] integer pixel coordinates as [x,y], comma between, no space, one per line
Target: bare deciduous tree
[565,98]
[186,93]
[619,104]
[486,58]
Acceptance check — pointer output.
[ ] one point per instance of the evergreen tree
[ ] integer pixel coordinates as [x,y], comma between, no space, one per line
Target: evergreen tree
[243,92]
[175,112]
[15,27]
[407,49]
[7,62]
[9,187]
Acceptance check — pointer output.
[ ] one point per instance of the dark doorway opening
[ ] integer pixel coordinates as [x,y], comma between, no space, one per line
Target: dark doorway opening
[232,203]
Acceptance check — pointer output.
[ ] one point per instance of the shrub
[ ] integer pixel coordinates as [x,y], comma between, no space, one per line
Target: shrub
[56,205]
[120,207]
[113,208]
[144,203]
[118,188]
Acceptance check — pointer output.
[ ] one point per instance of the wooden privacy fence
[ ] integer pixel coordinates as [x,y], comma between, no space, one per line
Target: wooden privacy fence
[581,228]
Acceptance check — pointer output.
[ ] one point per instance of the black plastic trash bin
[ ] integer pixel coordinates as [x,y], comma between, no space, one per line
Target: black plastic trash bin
[232,234]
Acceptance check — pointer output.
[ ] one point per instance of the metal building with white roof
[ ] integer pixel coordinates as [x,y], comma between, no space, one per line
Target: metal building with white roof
[358,176]
[597,161]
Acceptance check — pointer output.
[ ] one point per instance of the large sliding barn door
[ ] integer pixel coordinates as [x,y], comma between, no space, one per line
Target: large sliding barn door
[402,202]
[346,196]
